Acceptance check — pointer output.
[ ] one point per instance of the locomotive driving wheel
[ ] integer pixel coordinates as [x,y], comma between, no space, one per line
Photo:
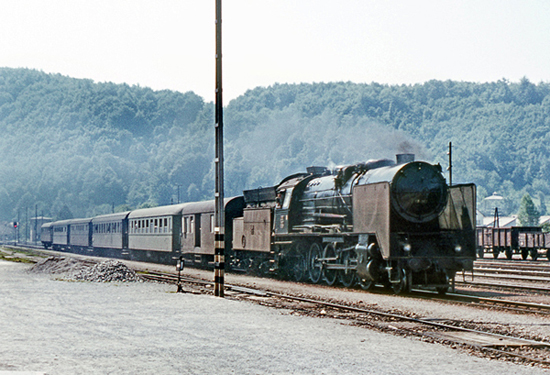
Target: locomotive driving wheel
[297,263]
[329,276]
[314,266]
[347,277]
[404,284]
[366,284]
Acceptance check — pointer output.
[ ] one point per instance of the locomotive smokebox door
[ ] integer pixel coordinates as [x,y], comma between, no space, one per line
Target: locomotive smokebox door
[371,213]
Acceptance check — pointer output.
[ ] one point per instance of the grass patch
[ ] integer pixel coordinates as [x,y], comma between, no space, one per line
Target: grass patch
[11,256]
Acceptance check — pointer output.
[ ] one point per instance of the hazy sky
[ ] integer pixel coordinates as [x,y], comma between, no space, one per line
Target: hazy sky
[170,44]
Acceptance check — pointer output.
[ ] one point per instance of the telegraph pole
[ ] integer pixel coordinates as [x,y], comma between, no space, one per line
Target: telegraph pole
[450,168]
[219,241]
[35,239]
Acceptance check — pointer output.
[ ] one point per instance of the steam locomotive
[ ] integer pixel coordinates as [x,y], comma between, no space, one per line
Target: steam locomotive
[392,223]
[379,222]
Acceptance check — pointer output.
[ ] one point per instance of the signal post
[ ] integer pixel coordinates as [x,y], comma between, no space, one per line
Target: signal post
[219,244]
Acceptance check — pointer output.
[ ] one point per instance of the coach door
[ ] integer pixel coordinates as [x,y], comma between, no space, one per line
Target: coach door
[125,233]
[198,230]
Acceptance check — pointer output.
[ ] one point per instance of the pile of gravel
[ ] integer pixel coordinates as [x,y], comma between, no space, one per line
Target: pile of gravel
[107,271]
[110,270]
[60,265]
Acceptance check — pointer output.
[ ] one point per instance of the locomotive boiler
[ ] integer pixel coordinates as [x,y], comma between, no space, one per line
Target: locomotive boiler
[397,224]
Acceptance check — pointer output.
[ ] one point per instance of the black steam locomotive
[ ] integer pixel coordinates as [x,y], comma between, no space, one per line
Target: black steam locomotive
[381,222]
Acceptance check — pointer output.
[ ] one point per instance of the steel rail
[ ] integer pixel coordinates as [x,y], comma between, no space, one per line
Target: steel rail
[531,343]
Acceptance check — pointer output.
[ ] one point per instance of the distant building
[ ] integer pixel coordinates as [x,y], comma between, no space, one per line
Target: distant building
[502,222]
[505,221]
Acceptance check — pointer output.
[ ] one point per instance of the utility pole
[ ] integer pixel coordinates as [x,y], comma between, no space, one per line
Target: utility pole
[219,241]
[450,168]
[35,239]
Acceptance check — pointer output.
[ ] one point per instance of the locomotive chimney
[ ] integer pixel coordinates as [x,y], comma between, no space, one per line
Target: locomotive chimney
[404,158]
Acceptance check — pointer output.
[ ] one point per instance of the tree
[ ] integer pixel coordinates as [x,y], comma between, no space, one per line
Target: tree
[528,214]
[542,205]
[65,213]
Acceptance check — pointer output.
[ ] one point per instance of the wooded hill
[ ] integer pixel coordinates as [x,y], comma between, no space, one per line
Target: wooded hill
[73,147]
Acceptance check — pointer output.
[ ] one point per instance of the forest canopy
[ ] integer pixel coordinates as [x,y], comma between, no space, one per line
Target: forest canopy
[76,147]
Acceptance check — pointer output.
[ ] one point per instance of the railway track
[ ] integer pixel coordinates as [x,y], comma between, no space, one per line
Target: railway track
[534,276]
[480,339]
[531,277]
[518,306]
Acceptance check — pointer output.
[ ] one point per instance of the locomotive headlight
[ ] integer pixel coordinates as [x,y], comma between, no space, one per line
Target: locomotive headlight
[407,247]
[458,248]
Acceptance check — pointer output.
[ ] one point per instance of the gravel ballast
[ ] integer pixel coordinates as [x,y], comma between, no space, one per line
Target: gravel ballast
[53,326]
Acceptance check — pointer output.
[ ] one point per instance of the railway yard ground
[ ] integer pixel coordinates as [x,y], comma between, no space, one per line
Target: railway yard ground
[58,321]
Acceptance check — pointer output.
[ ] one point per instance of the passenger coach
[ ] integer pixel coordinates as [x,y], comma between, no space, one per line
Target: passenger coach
[159,234]
[154,233]
[110,234]
[46,235]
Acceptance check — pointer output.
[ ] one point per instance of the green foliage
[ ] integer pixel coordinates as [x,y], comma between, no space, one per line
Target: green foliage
[528,215]
[94,146]
[89,146]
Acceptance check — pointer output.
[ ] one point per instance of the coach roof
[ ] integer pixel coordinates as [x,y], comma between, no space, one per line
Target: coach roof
[109,218]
